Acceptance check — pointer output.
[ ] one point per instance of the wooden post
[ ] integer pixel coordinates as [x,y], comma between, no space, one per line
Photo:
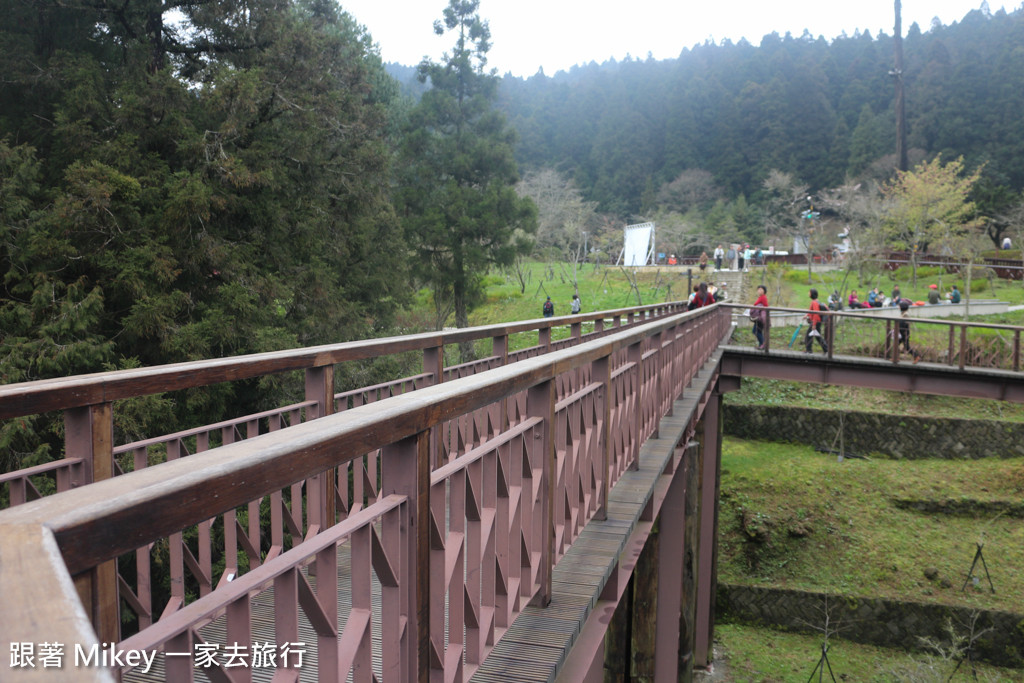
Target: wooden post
[88,434]
[540,402]
[433,362]
[635,355]
[601,373]
[499,348]
[320,388]
[406,471]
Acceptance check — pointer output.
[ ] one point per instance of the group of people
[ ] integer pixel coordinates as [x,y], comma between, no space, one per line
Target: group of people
[817,319]
[736,258]
[575,306]
[704,294]
[877,300]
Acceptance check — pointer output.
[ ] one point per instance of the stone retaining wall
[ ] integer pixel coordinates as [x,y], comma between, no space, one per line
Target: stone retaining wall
[876,621]
[874,433]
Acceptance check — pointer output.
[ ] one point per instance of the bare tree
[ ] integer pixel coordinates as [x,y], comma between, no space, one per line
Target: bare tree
[690,189]
[562,215]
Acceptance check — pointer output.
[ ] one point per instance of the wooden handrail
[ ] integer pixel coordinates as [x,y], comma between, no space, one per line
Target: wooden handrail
[40,396]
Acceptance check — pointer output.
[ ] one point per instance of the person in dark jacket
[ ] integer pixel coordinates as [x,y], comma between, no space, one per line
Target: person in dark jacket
[903,330]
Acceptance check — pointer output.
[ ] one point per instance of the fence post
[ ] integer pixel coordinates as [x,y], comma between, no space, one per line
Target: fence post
[635,355]
[963,346]
[320,388]
[540,402]
[433,362]
[88,434]
[601,373]
[406,471]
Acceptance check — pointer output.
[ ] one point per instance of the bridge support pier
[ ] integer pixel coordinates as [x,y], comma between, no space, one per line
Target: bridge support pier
[658,608]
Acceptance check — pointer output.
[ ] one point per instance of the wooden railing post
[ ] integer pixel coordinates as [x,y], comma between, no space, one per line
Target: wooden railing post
[320,388]
[601,374]
[406,471]
[540,402]
[655,398]
[635,355]
[576,330]
[544,338]
[89,434]
[499,348]
[433,363]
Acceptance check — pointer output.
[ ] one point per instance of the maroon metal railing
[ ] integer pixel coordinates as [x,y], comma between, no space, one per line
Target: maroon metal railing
[952,343]
[468,542]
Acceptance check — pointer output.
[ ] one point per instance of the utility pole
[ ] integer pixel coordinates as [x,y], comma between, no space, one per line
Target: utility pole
[901,116]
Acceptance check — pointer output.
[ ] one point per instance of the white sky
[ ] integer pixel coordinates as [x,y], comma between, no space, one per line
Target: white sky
[557,34]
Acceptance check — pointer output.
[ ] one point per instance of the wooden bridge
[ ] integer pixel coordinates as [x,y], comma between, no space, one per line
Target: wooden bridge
[547,513]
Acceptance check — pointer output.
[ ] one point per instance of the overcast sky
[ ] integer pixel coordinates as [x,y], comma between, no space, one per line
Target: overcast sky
[557,34]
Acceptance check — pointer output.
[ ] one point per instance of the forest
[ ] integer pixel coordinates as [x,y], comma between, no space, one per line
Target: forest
[184,179]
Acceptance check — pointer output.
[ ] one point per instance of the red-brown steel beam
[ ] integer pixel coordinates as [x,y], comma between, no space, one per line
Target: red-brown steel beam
[1003,385]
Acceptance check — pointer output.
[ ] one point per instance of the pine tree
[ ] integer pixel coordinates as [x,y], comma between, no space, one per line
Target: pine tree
[457,195]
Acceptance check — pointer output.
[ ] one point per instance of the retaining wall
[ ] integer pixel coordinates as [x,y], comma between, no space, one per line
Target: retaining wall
[877,621]
[875,433]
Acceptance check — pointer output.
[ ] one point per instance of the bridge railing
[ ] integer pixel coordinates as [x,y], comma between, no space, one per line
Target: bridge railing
[877,334]
[238,524]
[219,549]
[104,390]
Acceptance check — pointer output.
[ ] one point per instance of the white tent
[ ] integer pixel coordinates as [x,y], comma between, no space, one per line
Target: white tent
[638,245]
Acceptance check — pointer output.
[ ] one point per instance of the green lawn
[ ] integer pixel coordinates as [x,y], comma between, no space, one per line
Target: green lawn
[756,655]
[795,518]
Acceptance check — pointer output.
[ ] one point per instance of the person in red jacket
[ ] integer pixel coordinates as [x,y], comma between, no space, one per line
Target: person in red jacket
[702,298]
[759,317]
[814,324]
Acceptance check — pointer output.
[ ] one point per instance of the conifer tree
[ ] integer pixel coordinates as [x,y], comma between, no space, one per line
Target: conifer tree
[457,193]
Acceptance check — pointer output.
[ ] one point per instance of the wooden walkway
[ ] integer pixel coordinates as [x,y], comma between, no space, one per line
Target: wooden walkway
[537,644]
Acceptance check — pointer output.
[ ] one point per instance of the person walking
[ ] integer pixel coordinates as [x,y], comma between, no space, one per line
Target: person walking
[703,261]
[719,255]
[575,305]
[814,324]
[759,314]
[549,308]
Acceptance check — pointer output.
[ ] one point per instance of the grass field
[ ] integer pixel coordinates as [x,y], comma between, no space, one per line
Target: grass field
[794,518]
[762,655]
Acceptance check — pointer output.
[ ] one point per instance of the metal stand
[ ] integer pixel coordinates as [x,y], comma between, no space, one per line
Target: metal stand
[820,667]
[970,572]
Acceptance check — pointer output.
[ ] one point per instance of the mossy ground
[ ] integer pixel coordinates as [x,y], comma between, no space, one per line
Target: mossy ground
[794,518]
